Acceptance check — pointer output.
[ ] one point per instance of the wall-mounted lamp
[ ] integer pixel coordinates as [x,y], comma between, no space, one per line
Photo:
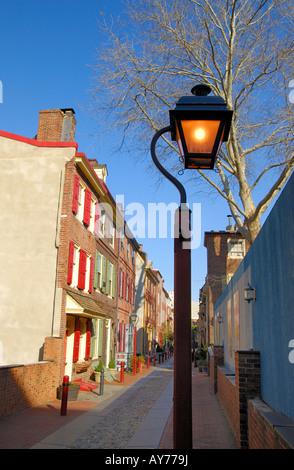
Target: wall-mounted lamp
[249,293]
[134,319]
[219,318]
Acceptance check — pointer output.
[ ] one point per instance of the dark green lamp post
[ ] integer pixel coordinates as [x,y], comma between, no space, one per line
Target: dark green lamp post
[200,124]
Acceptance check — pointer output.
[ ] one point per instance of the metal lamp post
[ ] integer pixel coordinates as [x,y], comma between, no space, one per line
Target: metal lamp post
[134,320]
[199,123]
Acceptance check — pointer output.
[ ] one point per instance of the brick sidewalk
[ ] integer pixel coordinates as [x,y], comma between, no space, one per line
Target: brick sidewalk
[211,429]
[25,428]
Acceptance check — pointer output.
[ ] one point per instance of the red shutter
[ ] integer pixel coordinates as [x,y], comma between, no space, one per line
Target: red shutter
[125,286]
[133,293]
[75,203]
[124,343]
[97,212]
[88,339]
[82,269]
[87,207]
[70,262]
[77,340]
[91,275]
[119,283]
[120,337]
[128,289]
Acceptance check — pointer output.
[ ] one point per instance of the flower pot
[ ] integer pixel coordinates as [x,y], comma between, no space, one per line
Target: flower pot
[204,368]
[73,391]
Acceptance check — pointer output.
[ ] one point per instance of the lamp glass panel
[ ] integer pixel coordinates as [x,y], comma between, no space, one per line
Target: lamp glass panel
[179,142]
[200,135]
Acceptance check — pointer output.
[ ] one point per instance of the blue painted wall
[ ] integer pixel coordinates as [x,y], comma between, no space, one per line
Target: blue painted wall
[268,324]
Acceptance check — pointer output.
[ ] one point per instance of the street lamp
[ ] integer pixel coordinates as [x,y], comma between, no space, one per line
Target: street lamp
[199,124]
[134,320]
[249,293]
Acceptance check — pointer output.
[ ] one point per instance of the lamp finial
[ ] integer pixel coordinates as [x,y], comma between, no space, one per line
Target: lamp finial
[201,90]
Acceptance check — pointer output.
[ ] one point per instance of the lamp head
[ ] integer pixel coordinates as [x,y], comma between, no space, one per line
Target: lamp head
[200,123]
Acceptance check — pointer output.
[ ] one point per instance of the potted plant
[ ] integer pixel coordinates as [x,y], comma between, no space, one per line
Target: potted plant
[111,364]
[97,371]
[73,391]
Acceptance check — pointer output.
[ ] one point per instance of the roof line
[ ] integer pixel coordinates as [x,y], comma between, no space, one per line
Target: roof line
[35,142]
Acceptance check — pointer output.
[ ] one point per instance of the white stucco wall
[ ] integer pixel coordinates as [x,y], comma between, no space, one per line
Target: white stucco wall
[30,193]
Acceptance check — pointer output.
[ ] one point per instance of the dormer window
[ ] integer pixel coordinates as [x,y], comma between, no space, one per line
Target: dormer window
[236,248]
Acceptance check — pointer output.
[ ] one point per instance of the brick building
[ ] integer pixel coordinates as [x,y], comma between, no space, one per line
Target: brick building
[69,279]
[225,251]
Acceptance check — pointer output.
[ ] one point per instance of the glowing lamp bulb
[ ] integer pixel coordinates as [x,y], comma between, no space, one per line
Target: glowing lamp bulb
[199,134]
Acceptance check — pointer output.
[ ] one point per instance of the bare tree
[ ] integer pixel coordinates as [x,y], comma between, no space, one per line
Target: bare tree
[243,49]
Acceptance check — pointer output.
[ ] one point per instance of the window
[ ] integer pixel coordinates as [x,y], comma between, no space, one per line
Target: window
[236,248]
[81,202]
[102,222]
[92,215]
[88,273]
[111,233]
[80,268]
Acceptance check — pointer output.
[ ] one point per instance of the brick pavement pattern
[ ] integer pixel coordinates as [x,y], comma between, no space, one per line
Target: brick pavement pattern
[211,428]
[119,414]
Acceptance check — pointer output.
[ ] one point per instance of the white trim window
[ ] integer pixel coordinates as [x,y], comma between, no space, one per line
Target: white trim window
[102,221]
[236,248]
[92,215]
[76,262]
[81,202]
[111,233]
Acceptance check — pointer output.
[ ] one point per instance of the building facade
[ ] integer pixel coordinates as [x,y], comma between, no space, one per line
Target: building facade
[225,251]
[75,264]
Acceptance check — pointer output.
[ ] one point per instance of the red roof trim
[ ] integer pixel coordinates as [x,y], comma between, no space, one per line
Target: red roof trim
[37,143]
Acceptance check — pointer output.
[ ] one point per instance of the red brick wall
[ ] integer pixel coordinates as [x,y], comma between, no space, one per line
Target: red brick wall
[227,394]
[50,125]
[262,434]
[247,367]
[240,398]
[25,386]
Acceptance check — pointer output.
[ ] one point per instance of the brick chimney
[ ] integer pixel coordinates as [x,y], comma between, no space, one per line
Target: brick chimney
[56,125]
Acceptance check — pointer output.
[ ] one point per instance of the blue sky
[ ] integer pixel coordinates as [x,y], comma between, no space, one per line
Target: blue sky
[45,49]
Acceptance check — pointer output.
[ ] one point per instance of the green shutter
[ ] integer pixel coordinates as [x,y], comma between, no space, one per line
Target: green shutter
[93,338]
[108,278]
[103,283]
[113,281]
[100,338]
[96,269]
